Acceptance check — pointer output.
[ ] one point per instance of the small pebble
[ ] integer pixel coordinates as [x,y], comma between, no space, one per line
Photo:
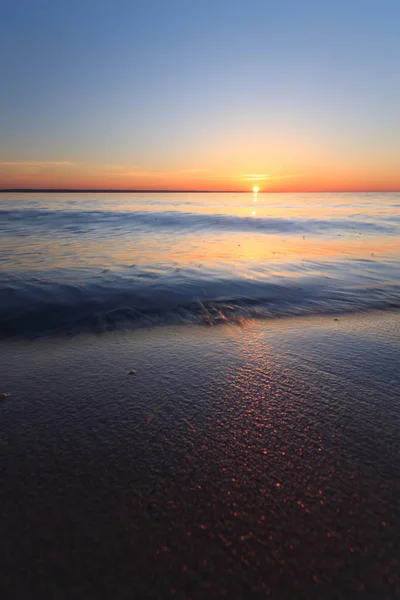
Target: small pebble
[132,372]
[4,396]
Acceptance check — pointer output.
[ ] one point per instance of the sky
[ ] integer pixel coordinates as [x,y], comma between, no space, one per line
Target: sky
[288,95]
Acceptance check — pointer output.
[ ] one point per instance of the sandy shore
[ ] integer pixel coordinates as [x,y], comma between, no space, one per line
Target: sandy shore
[234,462]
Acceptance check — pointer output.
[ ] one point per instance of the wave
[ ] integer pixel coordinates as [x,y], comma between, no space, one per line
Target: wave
[31,307]
[23,222]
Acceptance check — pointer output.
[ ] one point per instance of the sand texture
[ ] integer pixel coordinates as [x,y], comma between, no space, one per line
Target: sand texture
[203,462]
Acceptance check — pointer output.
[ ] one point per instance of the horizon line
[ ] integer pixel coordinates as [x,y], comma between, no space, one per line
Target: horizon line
[183,191]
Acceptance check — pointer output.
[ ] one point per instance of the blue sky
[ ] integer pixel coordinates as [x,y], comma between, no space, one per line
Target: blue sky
[302,89]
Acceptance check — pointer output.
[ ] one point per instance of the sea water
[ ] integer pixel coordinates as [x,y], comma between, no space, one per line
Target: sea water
[72,262]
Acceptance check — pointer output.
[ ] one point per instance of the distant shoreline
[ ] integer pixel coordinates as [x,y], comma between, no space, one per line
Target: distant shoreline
[106,191]
[118,191]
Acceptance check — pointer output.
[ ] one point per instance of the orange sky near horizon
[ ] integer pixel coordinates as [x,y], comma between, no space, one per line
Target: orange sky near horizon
[70,175]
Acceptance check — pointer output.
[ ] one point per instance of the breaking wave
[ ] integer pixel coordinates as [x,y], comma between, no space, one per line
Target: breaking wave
[23,221]
[31,307]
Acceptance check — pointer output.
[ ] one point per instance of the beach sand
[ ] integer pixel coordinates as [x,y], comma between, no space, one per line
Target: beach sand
[254,461]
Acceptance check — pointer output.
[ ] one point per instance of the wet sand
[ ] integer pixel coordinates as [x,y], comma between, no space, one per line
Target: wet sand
[256,461]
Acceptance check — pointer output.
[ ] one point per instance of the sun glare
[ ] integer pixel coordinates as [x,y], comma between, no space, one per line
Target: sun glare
[256,189]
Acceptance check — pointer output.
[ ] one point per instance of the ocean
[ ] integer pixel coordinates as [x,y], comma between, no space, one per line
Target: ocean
[75,262]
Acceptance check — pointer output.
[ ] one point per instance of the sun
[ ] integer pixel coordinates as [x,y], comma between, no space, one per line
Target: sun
[256,189]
